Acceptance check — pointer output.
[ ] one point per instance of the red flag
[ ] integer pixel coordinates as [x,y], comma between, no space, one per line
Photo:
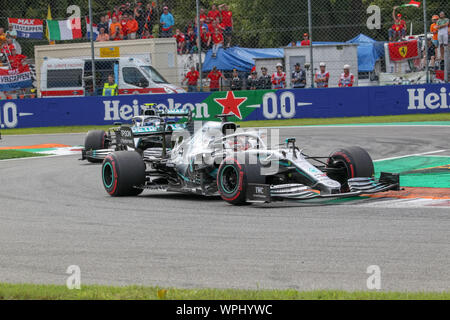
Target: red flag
[403,50]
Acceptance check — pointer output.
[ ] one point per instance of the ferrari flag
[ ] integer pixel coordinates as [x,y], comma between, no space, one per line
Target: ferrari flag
[412,3]
[403,50]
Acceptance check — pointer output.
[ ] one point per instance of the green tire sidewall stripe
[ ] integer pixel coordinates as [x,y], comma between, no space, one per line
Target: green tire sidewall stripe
[108,164]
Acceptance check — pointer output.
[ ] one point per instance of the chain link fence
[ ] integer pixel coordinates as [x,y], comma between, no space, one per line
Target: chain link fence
[157,46]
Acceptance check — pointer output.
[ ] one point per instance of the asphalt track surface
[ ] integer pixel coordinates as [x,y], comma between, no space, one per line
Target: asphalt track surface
[54,213]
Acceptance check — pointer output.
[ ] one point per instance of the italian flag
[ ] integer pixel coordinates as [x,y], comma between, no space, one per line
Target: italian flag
[412,3]
[64,29]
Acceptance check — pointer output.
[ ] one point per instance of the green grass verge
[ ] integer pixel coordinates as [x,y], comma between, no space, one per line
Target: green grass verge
[16,154]
[269,123]
[52,292]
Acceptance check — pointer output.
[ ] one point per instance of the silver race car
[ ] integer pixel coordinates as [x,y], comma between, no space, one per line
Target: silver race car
[218,158]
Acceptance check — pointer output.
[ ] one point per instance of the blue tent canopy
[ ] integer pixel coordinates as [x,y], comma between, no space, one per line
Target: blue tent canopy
[240,58]
[369,51]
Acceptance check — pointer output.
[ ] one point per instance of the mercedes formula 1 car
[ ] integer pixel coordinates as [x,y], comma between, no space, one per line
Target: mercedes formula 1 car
[98,143]
[218,159]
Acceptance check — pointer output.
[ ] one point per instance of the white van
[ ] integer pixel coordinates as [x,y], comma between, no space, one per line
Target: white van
[73,77]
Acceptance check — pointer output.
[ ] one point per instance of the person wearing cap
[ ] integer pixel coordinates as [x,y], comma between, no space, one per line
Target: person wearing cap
[236,81]
[217,40]
[347,79]
[214,76]
[398,29]
[298,77]
[102,36]
[434,30]
[206,38]
[279,78]
[322,77]
[253,81]
[442,24]
[167,22]
[265,81]
[305,41]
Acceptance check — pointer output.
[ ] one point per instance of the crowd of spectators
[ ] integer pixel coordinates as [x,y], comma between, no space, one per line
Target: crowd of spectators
[10,50]
[129,22]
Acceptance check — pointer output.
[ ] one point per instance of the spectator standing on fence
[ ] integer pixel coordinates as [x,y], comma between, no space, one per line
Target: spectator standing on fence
[102,35]
[236,81]
[305,41]
[214,76]
[347,79]
[322,77]
[181,41]
[217,39]
[253,81]
[227,21]
[434,30]
[192,78]
[398,29]
[443,24]
[279,78]
[203,14]
[103,24]
[167,22]
[265,81]
[298,78]
[213,13]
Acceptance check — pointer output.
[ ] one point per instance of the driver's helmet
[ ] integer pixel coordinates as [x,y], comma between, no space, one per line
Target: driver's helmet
[238,143]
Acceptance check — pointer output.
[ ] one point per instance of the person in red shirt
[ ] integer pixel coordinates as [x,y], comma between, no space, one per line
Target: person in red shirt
[16,60]
[147,34]
[123,22]
[214,13]
[214,76]
[227,22]
[203,14]
[132,28]
[398,29]
[217,39]
[279,78]
[181,41]
[305,41]
[192,78]
[347,79]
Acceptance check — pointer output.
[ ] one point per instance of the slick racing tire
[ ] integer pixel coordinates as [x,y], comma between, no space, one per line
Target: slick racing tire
[355,162]
[95,140]
[123,172]
[233,179]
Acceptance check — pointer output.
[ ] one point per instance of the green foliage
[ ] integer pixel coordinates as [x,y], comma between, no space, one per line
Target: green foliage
[258,23]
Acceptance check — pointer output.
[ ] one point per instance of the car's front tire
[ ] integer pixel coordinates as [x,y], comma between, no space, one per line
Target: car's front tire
[95,140]
[354,162]
[123,174]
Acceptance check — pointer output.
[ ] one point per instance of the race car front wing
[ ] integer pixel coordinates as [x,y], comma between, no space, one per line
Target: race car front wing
[300,192]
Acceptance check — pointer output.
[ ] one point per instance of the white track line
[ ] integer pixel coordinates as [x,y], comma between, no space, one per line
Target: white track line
[412,155]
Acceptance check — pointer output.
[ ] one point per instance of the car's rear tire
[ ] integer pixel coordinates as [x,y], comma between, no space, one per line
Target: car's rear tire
[355,162]
[95,140]
[123,173]
[233,178]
